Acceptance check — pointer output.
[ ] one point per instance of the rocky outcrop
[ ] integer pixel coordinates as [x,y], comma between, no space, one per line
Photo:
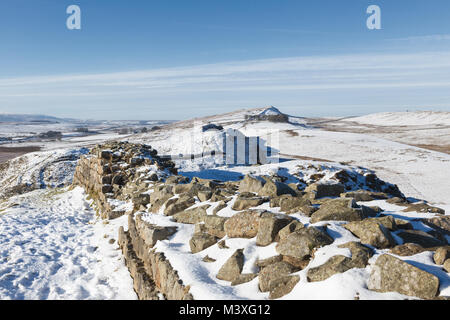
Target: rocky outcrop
[290,228]
[440,255]
[364,195]
[273,272]
[247,200]
[232,268]
[421,238]
[339,263]
[441,224]
[407,249]
[243,224]
[423,207]
[320,190]
[338,209]
[392,274]
[251,184]
[264,187]
[292,204]
[151,233]
[446,265]
[372,232]
[268,227]
[336,264]
[243,278]
[280,287]
[301,244]
[191,216]
[215,225]
[201,241]
[275,188]
[360,253]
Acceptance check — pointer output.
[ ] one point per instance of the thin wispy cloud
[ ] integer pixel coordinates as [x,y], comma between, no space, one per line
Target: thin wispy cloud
[424,38]
[284,81]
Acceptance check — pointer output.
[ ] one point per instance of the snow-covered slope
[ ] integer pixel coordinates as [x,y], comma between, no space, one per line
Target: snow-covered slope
[37,170]
[415,118]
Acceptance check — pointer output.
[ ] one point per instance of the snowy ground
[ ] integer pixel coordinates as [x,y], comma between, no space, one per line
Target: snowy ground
[419,172]
[52,247]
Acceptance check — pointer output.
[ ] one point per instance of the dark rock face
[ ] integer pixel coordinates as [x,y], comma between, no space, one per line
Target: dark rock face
[392,274]
[320,190]
[338,209]
[364,195]
[441,224]
[421,238]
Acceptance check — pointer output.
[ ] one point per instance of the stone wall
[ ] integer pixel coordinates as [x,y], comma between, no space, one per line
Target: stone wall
[151,271]
[110,169]
[122,171]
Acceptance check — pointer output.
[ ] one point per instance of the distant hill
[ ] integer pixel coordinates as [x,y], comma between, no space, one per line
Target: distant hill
[5,117]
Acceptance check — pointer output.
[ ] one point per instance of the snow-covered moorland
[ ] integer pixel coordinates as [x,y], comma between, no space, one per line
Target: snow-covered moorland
[53,246]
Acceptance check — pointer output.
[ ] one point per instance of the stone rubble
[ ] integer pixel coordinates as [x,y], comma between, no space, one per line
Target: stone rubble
[116,174]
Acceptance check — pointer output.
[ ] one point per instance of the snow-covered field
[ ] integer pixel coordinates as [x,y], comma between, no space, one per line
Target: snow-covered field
[53,247]
[417,118]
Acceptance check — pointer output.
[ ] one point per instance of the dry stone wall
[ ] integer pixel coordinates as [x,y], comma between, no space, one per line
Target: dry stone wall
[151,271]
[111,171]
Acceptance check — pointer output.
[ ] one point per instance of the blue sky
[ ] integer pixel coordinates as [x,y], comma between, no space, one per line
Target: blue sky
[181,59]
